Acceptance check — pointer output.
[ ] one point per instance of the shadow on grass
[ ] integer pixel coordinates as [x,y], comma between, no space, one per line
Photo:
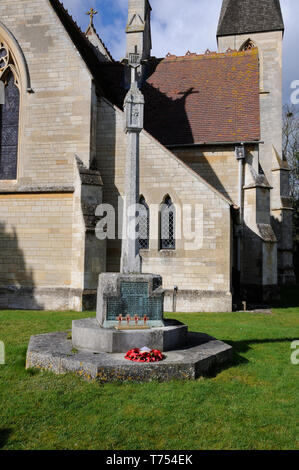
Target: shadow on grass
[4,436]
[245,345]
[19,364]
[242,347]
[200,339]
[234,362]
[20,359]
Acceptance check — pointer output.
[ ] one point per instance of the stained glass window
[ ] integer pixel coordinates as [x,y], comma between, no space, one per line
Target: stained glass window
[143,225]
[167,225]
[9,115]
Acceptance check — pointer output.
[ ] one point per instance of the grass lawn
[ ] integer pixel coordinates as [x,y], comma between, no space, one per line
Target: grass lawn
[253,404]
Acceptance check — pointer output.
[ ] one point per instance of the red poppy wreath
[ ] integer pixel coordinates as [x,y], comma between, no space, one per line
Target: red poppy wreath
[139,355]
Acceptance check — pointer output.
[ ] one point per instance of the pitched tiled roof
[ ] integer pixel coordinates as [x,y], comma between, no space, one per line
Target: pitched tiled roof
[191,99]
[249,16]
[196,98]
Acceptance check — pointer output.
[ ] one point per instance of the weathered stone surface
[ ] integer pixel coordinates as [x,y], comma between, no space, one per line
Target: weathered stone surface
[88,335]
[198,301]
[36,298]
[54,352]
[110,292]
[44,188]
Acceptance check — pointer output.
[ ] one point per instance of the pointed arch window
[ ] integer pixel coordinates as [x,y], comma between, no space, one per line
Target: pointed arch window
[248,45]
[9,115]
[167,224]
[143,222]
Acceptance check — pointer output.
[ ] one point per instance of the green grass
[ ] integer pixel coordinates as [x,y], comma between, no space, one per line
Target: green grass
[251,405]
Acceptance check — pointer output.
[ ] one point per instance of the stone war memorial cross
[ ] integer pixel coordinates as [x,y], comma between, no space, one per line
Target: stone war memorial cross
[129,301]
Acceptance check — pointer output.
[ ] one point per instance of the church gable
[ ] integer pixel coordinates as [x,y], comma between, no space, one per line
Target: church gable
[80,40]
[100,49]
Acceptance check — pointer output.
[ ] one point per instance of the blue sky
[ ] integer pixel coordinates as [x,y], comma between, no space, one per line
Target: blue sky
[181,25]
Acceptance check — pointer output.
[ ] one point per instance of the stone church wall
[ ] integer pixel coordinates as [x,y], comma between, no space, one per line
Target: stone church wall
[219,167]
[42,226]
[36,244]
[202,275]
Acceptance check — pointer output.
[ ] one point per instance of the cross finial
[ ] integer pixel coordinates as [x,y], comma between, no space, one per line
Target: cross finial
[91,13]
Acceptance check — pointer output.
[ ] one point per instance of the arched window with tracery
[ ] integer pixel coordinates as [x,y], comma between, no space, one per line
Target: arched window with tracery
[167,224]
[9,114]
[248,45]
[143,223]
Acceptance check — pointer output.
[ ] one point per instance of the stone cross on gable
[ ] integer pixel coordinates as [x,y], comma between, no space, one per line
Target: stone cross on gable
[91,13]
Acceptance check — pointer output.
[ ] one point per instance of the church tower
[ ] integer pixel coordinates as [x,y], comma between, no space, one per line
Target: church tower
[139,28]
[245,24]
[258,23]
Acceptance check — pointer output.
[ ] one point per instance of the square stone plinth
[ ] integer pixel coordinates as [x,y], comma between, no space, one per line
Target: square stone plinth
[130,295]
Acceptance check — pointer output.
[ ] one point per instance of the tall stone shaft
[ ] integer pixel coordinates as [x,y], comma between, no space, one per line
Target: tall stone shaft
[130,259]
[134,116]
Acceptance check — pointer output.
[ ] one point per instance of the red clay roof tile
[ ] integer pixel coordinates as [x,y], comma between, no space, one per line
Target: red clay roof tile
[196,98]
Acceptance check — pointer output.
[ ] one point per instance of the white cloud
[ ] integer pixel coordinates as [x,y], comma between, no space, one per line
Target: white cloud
[180,26]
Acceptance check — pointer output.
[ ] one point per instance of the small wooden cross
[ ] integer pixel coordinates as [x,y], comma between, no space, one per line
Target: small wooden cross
[91,13]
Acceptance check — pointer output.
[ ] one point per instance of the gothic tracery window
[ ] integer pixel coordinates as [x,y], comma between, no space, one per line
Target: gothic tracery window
[248,45]
[9,115]
[143,222]
[167,225]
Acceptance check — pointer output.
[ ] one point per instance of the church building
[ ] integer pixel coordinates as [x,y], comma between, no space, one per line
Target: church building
[211,145]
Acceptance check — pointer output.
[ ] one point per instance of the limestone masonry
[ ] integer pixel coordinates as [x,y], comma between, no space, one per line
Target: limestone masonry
[62,137]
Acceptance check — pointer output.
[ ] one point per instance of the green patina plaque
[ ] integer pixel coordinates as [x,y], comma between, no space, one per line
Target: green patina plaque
[135,300]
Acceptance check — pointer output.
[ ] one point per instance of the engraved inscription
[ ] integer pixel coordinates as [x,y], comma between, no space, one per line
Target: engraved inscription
[135,301]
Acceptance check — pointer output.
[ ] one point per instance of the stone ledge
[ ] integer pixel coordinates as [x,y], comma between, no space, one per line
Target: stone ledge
[87,335]
[40,298]
[53,352]
[194,301]
[36,189]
